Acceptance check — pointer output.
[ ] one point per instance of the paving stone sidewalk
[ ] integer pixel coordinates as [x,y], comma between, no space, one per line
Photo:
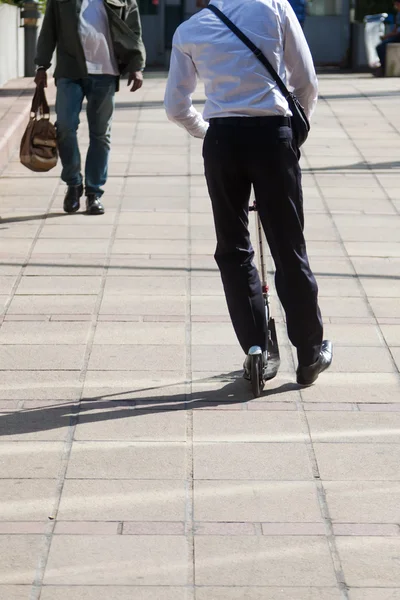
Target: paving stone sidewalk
[134,464]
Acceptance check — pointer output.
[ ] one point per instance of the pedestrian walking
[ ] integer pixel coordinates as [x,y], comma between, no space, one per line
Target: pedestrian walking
[249,142]
[393,37]
[97,41]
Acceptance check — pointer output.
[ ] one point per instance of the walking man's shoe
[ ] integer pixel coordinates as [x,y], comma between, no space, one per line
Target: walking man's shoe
[93,205]
[307,375]
[72,197]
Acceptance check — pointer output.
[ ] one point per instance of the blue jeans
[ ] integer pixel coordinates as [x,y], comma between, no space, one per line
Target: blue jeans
[100,93]
[381,49]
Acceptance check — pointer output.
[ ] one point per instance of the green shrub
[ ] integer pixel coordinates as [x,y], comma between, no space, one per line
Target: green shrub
[12,2]
[42,4]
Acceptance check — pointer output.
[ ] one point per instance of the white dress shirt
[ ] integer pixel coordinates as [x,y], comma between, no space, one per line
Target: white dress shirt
[236,83]
[94,31]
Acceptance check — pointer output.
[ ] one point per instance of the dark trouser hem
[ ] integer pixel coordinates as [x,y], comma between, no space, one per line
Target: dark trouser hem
[91,190]
[69,184]
[308,356]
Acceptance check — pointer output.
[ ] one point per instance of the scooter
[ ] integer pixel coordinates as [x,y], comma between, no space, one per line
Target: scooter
[260,372]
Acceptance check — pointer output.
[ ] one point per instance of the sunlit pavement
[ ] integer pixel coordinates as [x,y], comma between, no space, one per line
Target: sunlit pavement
[132,455]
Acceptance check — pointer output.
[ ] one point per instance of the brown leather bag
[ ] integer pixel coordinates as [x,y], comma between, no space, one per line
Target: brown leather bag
[38,150]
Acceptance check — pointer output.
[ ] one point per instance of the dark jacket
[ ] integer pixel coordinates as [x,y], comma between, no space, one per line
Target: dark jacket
[60,30]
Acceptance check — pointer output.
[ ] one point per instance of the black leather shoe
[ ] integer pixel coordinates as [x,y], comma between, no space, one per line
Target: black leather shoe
[72,197]
[307,375]
[93,205]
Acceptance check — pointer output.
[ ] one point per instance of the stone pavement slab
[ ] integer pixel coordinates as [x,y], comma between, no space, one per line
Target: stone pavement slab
[52,304]
[40,385]
[241,561]
[353,334]
[145,285]
[41,357]
[363,501]
[353,427]
[143,305]
[376,287]
[58,286]
[18,558]
[126,460]
[358,555]
[26,460]
[259,461]
[358,359]
[358,461]
[366,389]
[115,357]
[263,593]
[134,462]
[27,499]
[385,307]
[16,592]
[374,594]
[256,501]
[153,334]
[247,427]
[66,592]
[131,425]
[107,560]
[44,332]
[123,500]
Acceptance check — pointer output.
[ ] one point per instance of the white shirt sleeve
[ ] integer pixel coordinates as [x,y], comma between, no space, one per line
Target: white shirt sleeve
[299,63]
[182,81]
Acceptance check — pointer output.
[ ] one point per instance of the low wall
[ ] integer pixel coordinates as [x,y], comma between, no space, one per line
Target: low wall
[11,44]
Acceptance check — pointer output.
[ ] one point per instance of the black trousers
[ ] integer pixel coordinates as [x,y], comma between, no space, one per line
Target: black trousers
[240,153]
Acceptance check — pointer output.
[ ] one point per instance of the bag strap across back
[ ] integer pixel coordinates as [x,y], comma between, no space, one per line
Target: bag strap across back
[261,57]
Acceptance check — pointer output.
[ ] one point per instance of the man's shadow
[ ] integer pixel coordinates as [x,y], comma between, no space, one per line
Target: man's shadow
[234,390]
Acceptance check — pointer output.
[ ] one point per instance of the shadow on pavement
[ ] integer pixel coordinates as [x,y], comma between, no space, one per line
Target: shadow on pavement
[235,391]
[14,92]
[139,104]
[357,96]
[40,217]
[361,166]
[191,269]
[113,267]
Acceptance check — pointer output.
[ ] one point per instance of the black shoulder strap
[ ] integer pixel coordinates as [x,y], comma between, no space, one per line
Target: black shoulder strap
[261,57]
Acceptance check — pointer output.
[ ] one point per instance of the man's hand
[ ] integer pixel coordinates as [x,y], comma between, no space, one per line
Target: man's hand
[137,79]
[41,77]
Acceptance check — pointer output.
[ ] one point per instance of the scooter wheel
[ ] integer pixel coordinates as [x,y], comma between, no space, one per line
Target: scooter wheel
[256,375]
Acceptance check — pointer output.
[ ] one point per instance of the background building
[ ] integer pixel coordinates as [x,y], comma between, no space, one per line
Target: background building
[327,28]
[11,43]
[160,18]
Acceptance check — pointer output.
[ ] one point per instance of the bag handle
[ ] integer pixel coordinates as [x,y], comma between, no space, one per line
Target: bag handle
[261,57]
[39,103]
